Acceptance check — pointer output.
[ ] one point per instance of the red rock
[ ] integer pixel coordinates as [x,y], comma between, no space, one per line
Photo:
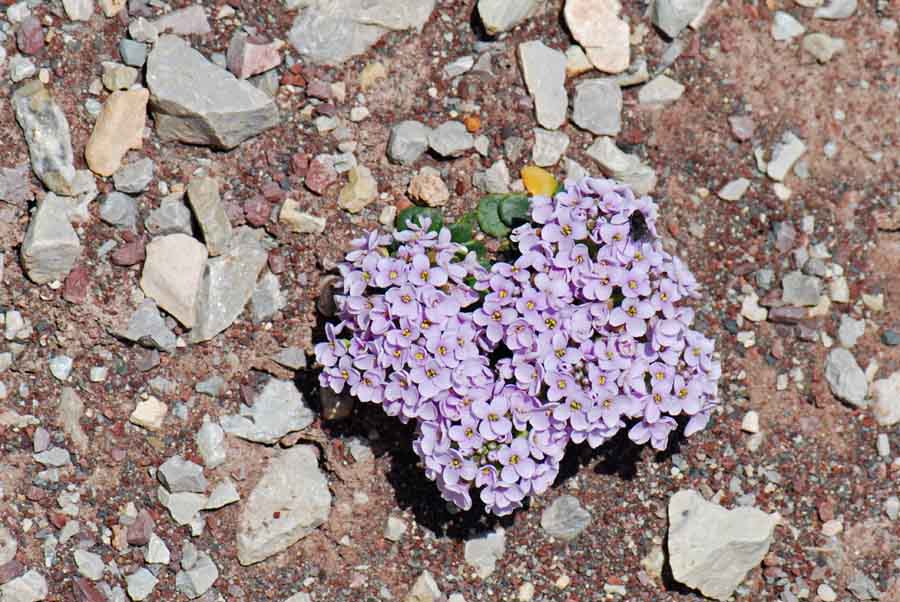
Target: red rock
[139,531]
[319,89]
[326,108]
[247,57]
[257,211]
[35,494]
[293,79]
[299,164]
[321,174]
[787,315]
[57,519]
[30,37]
[273,192]
[276,262]
[129,254]
[76,286]
[85,591]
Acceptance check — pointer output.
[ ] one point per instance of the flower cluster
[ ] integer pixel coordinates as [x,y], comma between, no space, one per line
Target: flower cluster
[579,336]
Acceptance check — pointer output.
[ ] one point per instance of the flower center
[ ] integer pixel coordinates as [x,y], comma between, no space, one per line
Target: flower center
[601,379]
[502,294]
[682,392]
[496,316]
[567,229]
[393,275]
[424,275]
[550,322]
[560,384]
[660,375]
[493,417]
[442,350]
[631,311]
[470,432]
[430,373]
[366,276]
[607,403]
[529,305]
[420,356]
[514,459]
[632,284]
[456,463]
[664,296]
[560,353]
[574,405]
[345,374]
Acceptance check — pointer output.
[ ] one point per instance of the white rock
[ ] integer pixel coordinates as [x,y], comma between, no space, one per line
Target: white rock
[598,106]
[784,155]
[30,587]
[823,47]
[886,396]
[750,422]
[157,552]
[483,552]
[183,507]
[660,91]
[425,589]
[211,444]
[89,565]
[622,166]
[172,274]
[846,379]
[79,10]
[140,584]
[595,24]
[734,190]
[279,409]
[223,494]
[672,16]
[837,9]
[549,146]
[196,580]
[544,70]
[395,529]
[711,548]
[149,414]
[502,15]
[786,27]
[751,310]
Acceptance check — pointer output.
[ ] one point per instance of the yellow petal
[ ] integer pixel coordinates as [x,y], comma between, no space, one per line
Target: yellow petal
[539,182]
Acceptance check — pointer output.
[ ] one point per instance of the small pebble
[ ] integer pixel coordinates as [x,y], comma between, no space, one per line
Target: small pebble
[832,527]
[826,593]
[883,445]
[750,423]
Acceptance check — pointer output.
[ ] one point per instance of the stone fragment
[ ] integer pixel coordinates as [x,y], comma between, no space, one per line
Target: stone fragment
[140,532]
[360,191]
[203,195]
[184,507]
[800,290]
[223,494]
[321,174]
[621,166]
[20,68]
[784,155]
[482,553]
[47,135]
[51,246]
[886,397]
[267,298]
[577,61]
[278,410]
[79,10]
[845,378]
[565,518]
[329,32]
[111,8]
[711,548]
[211,444]
[196,581]
[149,414]
[836,9]
[549,147]
[395,529]
[850,330]
[598,106]
[173,273]
[142,30]
[298,221]
[118,129]
[544,70]
[171,217]
[140,583]
[292,488]
[751,310]
[660,91]
[185,21]
[55,457]
[734,190]
[750,422]
[60,367]
[180,475]
[786,27]
[135,177]
[494,180]
[672,16]
[68,413]
[450,139]
[30,587]
[595,24]
[502,15]
[196,102]
[408,141]
[157,552]
[30,37]
[428,186]
[117,76]
[822,46]
[119,210]
[133,53]
[89,565]
[246,58]
[15,185]
[425,589]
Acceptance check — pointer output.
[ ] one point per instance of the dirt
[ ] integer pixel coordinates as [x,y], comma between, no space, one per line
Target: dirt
[815,453]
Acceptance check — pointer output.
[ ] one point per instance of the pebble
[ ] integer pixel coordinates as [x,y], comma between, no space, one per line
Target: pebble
[565,518]
[298,221]
[171,217]
[223,494]
[147,327]
[734,190]
[839,290]
[279,409]
[751,310]
[54,457]
[483,552]
[8,545]
[832,527]
[118,129]
[836,9]
[184,507]
[425,589]
[660,91]
[133,53]
[111,8]
[846,379]
[360,191]
[172,275]
[246,58]
[577,61]
[98,374]
[79,10]
[89,565]
[622,166]
[408,141]
[883,445]
[210,441]
[142,30]
[750,422]
[595,24]
[823,47]
[197,102]
[140,584]
[29,587]
[149,414]
[117,76]
[358,114]
[800,289]
[157,552]
[784,155]
[135,177]
[712,549]
[891,338]
[119,210]
[321,173]
[892,507]
[18,12]
[786,27]
[850,330]
[267,298]
[395,529]
[886,398]
[51,246]
[526,592]
[294,487]
[428,186]
[30,37]
[179,475]
[206,204]
[874,302]
[549,147]
[60,367]
[184,21]
[196,581]
[20,68]
[826,593]
[544,70]
[450,139]
[458,67]
[502,15]
[742,127]
[672,16]
[598,106]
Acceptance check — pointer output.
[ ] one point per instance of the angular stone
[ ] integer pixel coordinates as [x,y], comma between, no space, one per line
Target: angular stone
[298,221]
[330,32]
[79,10]
[598,106]
[845,378]
[408,141]
[595,24]
[672,16]
[850,330]
[140,584]
[293,489]
[69,413]
[173,273]
[135,177]
[54,457]
[428,186]
[203,195]
[30,37]
[544,70]
[360,191]
[549,147]
[21,67]
[450,139]
[886,396]
[784,155]
[711,548]
[180,475]
[134,54]
[482,553]
[118,129]
[183,507]
[734,190]
[111,8]
[822,46]
[246,58]
[171,217]
[565,518]
[494,180]
[196,102]
[800,289]
[30,587]
[279,409]
[47,135]
[425,589]
[223,494]
[621,166]
[321,174]
[149,414]
[89,565]
[142,30]
[659,91]
[837,9]
[117,76]
[196,581]
[51,246]
[186,21]
[785,27]
[140,532]
[227,284]
[502,15]
[119,210]
[267,298]
[211,444]
[157,551]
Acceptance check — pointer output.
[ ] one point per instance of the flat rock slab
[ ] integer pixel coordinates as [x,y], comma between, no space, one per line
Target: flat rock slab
[172,274]
[203,195]
[595,24]
[119,128]
[845,378]
[712,549]
[197,102]
[502,15]
[51,245]
[598,106]
[278,410]
[544,70]
[622,166]
[294,490]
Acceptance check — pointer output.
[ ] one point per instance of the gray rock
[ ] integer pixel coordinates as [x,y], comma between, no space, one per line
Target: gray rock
[482,553]
[89,565]
[502,15]
[597,107]
[134,178]
[291,357]
[8,545]
[408,141]
[15,184]
[140,584]
[672,16]
[157,552]
[395,529]
[425,589]
[734,190]
[836,9]
[203,195]
[223,494]
[565,518]
[197,580]
[815,267]
[21,67]
[711,548]
[212,386]
[278,410]
[268,82]
[293,486]
[51,246]
[180,475]
[784,155]
[846,379]
[886,397]
[800,289]
[544,70]
[549,147]
[118,209]
[69,413]
[173,275]
[621,166]
[184,507]
[142,30]
[196,102]
[637,73]
[659,91]
[211,444]
[79,10]
[456,68]
[267,298]
[30,587]
[862,586]
[171,217]
[450,139]
[60,367]
[331,31]
[148,328]
[134,54]
[785,27]
[185,21]
[850,330]
[47,135]
[822,46]
[494,180]
[227,284]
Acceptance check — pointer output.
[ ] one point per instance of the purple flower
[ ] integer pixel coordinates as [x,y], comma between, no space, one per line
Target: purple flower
[656,432]
[494,422]
[516,461]
[431,378]
[633,314]
[422,273]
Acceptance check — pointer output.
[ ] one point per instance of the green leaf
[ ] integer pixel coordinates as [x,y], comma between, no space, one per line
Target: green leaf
[515,210]
[462,230]
[489,216]
[415,214]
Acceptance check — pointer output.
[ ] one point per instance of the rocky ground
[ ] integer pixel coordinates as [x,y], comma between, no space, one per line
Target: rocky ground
[177,182]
